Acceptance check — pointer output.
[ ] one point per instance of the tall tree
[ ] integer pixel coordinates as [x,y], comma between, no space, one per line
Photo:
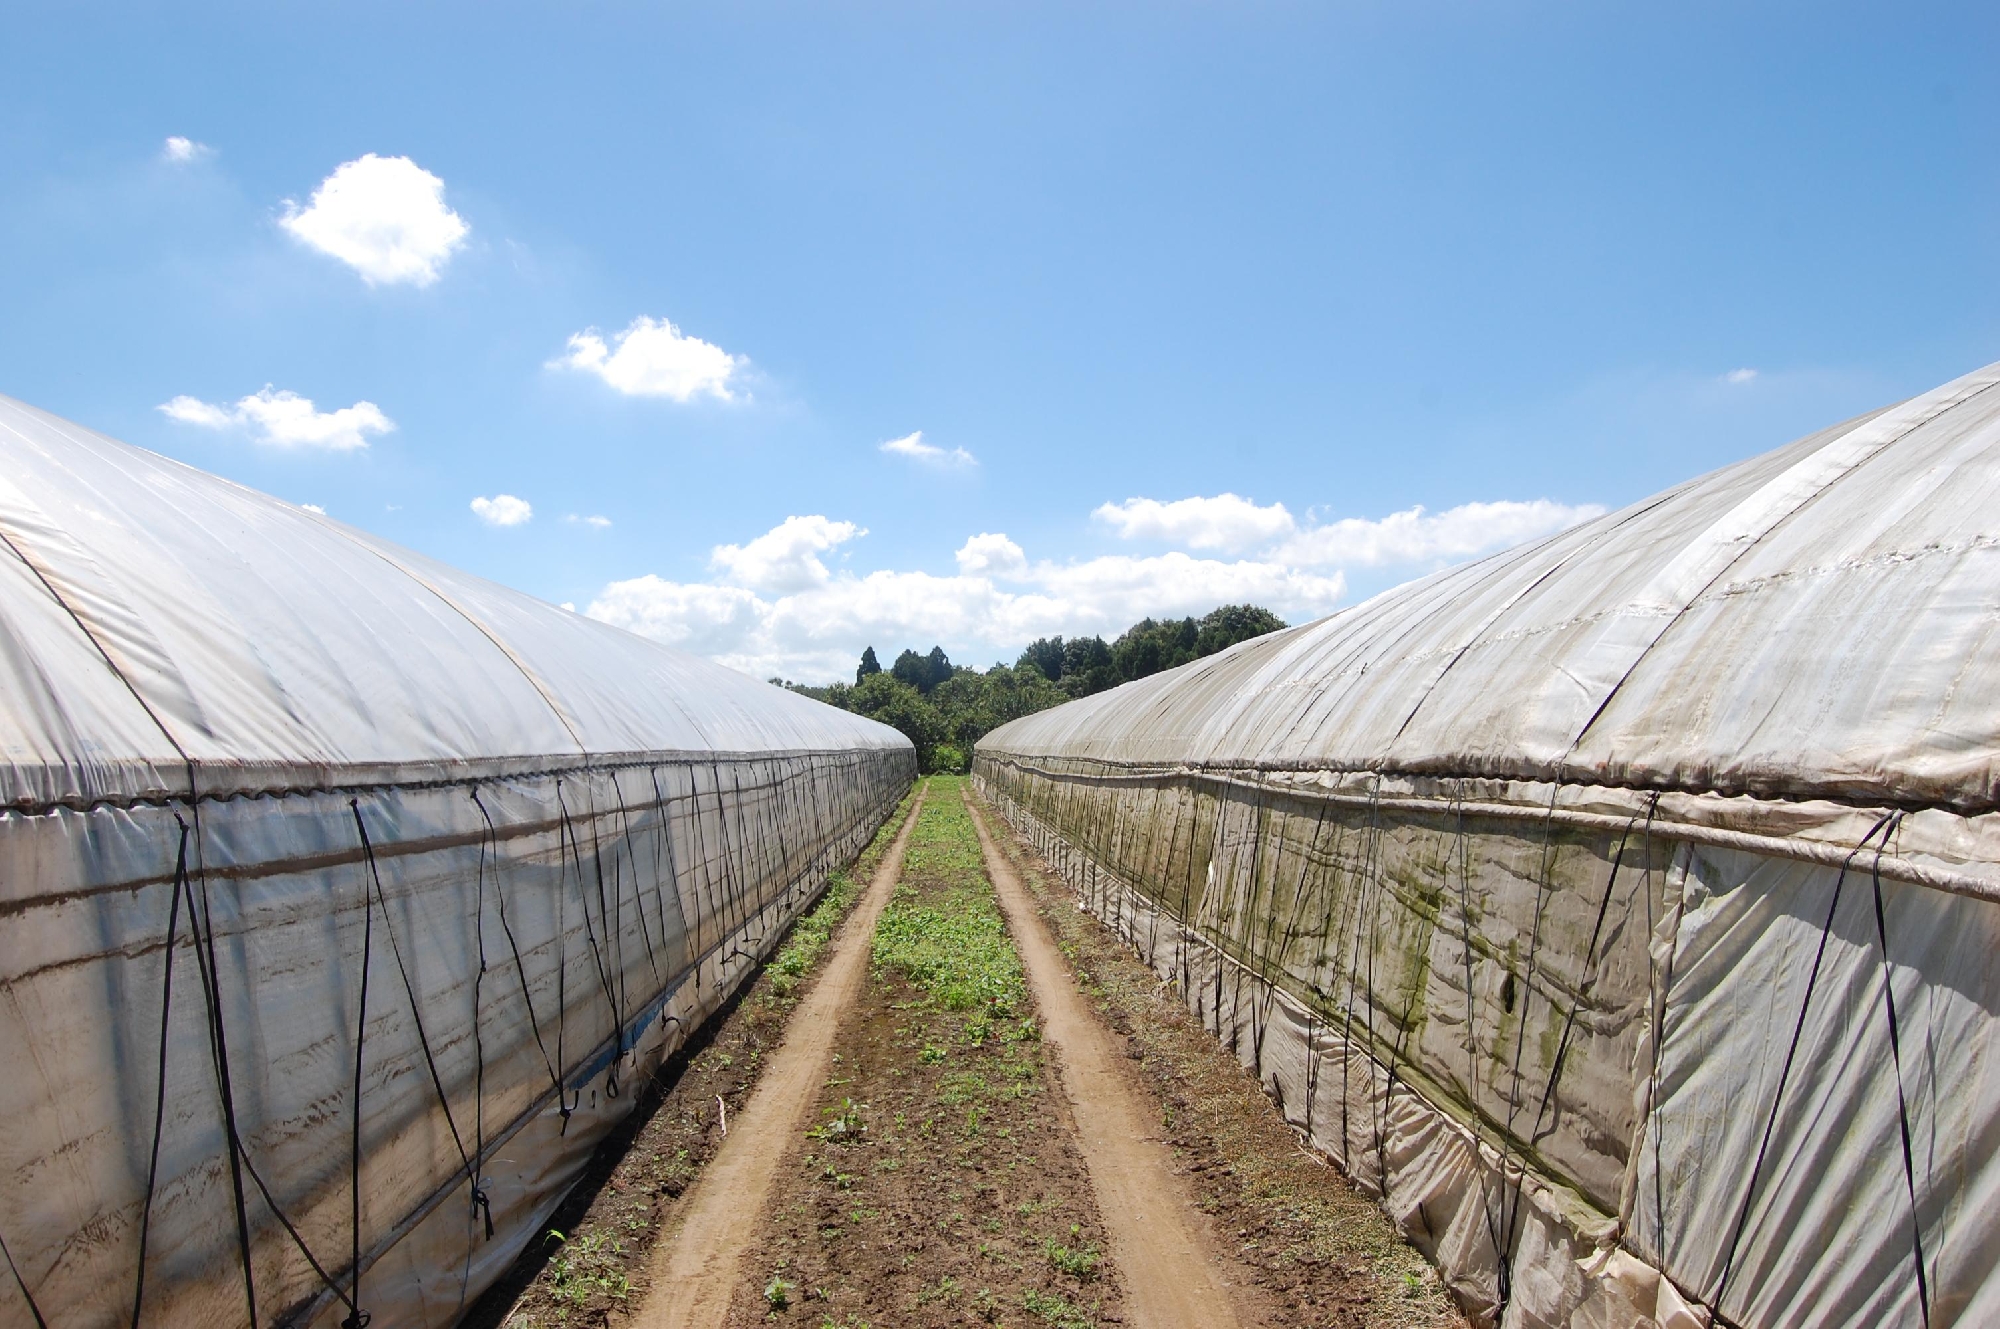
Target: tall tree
[1224,627]
[1046,655]
[869,665]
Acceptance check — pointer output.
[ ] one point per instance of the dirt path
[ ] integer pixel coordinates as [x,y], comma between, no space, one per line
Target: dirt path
[1171,1281]
[695,1270]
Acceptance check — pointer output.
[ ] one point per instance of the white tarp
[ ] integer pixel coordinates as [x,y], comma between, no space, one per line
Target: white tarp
[1608,857]
[290,746]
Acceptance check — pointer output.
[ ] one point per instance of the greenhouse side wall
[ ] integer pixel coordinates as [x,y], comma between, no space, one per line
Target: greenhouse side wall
[536,943]
[1466,1011]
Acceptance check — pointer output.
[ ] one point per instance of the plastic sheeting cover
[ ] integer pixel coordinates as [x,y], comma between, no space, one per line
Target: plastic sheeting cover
[265,763]
[1650,869]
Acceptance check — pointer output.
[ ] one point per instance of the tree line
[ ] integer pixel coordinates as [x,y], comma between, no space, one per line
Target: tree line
[944,708]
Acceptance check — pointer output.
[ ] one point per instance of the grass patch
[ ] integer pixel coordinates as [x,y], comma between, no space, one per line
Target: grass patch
[1079,1264]
[589,1267]
[942,930]
[1057,1310]
[812,934]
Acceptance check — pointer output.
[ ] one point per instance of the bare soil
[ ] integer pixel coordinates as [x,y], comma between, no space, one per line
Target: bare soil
[590,1266]
[697,1268]
[1318,1248]
[1178,1275]
[942,1183]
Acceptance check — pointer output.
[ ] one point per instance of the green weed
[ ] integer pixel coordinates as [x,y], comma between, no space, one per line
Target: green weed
[1058,1310]
[1081,1264]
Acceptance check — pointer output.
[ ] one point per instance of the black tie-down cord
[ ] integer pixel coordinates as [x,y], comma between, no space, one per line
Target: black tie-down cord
[1884,828]
[1902,1102]
[597,953]
[480,1203]
[22,1283]
[201,935]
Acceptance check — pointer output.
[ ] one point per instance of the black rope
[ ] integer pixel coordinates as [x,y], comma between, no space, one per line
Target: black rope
[1902,1103]
[478,1061]
[613,918]
[596,953]
[354,1153]
[201,933]
[160,1099]
[479,1201]
[563,1105]
[1666,987]
[1502,1255]
[1791,1054]
[1471,1039]
[22,1283]
[638,896]
[218,1046]
[1358,899]
[1590,975]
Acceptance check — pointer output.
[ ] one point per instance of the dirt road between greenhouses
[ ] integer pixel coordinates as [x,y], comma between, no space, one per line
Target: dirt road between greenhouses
[695,1270]
[1172,1281]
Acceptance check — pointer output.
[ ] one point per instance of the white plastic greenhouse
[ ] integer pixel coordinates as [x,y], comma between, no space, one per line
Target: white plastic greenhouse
[347,897]
[1623,909]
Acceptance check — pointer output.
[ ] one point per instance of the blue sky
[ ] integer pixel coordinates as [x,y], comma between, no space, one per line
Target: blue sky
[1187,302]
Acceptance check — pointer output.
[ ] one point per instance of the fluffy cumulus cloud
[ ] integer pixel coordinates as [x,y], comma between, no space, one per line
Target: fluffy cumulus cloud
[1415,536]
[385,217]
[286,420]
[183,150]
[1226,521]
[653,358]
[503,510]
[786,557]
[914,447]
[774,605]
[989,555]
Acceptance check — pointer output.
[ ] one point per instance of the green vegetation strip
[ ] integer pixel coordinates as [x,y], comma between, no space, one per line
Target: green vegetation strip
[812,934]
[948,939]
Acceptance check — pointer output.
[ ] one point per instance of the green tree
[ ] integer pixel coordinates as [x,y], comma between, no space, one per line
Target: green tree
[1046,655]
[944,710]
[1087,667]
[888,699]
[1224,627]
[923,672]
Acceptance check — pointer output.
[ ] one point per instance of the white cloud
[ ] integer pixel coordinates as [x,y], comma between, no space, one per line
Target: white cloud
[182,150]
[594,522]
[1232,523]
[503,510]
[709,620]
[781,610]
[914,447]
[314,507]
[1417,536]
[385,217]
[786,557]
[1226,521]
[192,411]
[1739,376]
[653,358]
[988,555]
[286,420]
[777,608]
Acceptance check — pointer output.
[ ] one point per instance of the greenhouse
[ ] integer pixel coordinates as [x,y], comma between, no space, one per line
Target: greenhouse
[349,898]
[1620,909]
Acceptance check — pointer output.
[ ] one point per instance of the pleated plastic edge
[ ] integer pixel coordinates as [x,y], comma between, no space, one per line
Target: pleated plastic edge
[1559,1219]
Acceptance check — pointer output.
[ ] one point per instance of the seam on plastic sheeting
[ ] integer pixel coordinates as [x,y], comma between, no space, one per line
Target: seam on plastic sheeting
[1824,853]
